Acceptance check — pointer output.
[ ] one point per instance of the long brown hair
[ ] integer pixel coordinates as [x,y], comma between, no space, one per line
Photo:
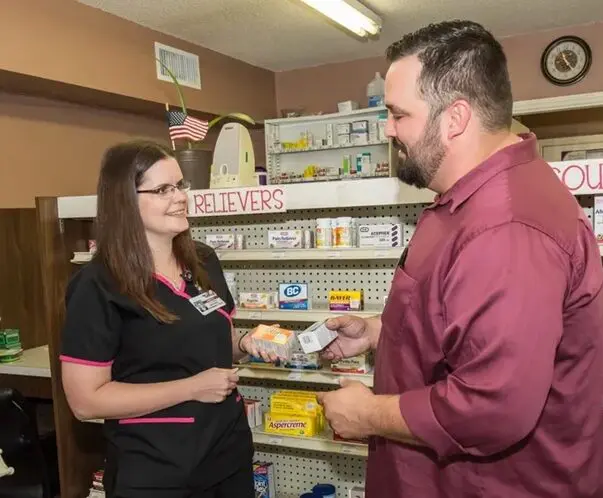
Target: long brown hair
[122,244]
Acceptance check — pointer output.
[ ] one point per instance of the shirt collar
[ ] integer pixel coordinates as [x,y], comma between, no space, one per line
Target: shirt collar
[513,155]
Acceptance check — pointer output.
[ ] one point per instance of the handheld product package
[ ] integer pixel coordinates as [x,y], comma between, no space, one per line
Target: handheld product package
[274,340]
[316,337]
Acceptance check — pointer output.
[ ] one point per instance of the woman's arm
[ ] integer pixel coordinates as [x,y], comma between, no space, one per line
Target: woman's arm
[92,394]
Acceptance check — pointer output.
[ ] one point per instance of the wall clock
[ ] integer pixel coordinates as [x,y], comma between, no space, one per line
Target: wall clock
[566,60]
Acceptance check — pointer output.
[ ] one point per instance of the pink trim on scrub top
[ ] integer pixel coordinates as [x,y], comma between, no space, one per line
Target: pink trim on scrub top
[225,314]
[79,361]
[163,420]
[179,292]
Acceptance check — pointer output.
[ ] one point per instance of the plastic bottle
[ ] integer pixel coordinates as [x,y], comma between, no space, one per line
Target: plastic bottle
[375,91]
[324,233]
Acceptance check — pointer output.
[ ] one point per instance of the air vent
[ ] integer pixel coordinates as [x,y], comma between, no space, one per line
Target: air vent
[183,65]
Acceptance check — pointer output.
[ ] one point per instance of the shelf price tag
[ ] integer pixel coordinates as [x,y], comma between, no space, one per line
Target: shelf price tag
[347,449]
[255,315]
[278,255]
[333,255]
[380,254]
[277,441]
[295,376]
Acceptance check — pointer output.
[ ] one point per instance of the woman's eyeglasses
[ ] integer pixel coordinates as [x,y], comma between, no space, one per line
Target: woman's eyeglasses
[167,190]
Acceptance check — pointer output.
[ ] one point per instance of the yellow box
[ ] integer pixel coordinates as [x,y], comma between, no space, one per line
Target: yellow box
[299,403]
[290,425]
[345,300]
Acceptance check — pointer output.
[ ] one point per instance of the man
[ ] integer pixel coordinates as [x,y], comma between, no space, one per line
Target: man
[489,353]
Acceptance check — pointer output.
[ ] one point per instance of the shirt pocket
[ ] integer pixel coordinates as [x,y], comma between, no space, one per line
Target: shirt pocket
[155,451]
[399,308]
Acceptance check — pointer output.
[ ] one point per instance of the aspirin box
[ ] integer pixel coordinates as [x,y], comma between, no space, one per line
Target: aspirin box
[293,297]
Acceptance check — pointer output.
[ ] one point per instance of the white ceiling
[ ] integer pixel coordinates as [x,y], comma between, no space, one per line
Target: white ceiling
[285,34]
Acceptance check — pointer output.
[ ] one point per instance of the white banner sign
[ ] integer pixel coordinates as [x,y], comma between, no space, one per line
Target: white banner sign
[581,177]
[232,201]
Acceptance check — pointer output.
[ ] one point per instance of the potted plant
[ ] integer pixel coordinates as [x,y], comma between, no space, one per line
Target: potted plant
[195,158]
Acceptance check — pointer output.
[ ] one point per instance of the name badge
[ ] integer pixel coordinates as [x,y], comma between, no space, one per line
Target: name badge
[207,302]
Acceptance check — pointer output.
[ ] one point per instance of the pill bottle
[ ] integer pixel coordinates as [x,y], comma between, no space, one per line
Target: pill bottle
[343,232]
[324,490]
[324,233]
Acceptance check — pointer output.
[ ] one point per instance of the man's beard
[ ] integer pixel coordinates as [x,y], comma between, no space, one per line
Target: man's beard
[417,166]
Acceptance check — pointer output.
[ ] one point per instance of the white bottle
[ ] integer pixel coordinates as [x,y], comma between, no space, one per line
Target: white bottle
[375,91]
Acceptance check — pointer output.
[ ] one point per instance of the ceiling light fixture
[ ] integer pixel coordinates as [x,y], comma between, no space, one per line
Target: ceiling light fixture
[350,14]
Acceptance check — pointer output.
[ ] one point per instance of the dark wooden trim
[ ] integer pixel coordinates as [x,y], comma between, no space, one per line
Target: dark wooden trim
[20,279]
[80,446]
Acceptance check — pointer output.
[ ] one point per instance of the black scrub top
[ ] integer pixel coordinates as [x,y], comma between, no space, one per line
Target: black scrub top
[190,444]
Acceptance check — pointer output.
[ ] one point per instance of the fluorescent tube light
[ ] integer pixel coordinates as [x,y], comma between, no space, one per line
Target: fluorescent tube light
[350,14]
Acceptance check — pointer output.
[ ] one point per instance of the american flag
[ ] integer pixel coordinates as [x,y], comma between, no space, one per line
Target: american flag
[183,126]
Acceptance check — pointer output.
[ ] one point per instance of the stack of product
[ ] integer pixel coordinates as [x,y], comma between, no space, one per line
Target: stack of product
[10,345]
[294,413]
[97,490]
[264,480]
[346,232]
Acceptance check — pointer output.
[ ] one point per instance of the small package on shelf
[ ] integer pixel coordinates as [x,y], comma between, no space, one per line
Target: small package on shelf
[293,296]
[257,300]
[274,340]
[294,413]
[360,364]
[285,239]
[263,480]
[383,235]
[253,410]
[356,492]
[220,240]
[345,300]
[303,361]
[316,337]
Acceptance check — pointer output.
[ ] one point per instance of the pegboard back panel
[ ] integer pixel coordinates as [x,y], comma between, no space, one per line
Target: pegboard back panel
[255,228]
[373,278]
[297,471]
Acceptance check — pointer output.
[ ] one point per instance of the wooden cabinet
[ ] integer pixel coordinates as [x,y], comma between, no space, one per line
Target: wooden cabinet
[572,148]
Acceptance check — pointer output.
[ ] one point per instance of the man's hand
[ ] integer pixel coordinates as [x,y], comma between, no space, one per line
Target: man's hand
[349,409]
[353,337]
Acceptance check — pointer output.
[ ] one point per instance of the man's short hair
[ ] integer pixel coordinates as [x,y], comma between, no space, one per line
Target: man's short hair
[461,60]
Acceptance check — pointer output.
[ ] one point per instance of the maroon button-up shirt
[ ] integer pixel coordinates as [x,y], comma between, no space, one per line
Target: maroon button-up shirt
[493,337]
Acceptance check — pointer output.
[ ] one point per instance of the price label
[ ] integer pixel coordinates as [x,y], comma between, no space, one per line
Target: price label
[255,315]
[347,449]
[277,441]
[278,255]
[333,255]
[380,254]
[294,376]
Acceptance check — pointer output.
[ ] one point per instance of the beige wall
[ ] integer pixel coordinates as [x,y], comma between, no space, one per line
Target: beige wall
[320,88]
[68,42]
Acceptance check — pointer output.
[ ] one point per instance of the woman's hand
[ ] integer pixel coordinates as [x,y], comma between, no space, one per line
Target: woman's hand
[213,385]
[247,345]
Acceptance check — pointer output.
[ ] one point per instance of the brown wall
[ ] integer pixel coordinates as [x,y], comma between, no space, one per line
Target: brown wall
[53,148]
[348,80]
[67,42]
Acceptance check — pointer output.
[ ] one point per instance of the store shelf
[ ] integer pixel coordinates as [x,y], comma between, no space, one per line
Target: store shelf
[316,195]
[351,254]
[310,254]
[324,443]
[34,362]
[326,148]
[323,376]
[313,315]
[355,114]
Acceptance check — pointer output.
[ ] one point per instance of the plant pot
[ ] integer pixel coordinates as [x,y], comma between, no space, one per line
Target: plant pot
[196,166]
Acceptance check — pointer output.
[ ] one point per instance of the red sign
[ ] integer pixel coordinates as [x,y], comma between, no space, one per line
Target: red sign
[581,177]
[248,200]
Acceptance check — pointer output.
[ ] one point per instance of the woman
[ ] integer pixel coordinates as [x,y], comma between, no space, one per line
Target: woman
[148,341]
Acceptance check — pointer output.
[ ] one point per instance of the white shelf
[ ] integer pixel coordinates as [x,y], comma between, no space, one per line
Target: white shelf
[357,254]
[324,443]
[315,195]
[34,362]
[313,315]
[328,147]
[310,254]
[323,376]
[355,114]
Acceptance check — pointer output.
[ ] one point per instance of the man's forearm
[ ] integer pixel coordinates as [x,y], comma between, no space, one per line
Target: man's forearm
[387,421]
[373,327]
